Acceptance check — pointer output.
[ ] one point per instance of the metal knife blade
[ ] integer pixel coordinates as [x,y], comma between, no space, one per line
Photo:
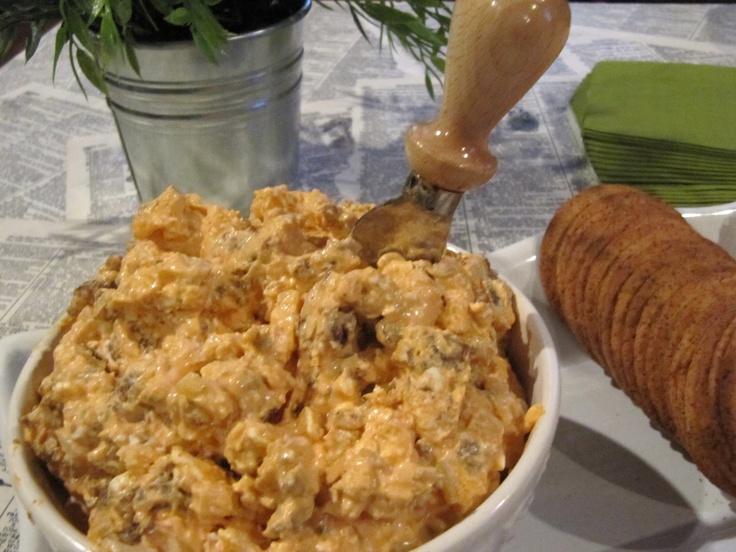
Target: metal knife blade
[416,224]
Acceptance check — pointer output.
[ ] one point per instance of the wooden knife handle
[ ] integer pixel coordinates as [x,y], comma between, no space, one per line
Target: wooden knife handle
[497,50]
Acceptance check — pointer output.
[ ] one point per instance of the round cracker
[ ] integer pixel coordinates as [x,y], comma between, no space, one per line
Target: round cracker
[688,264]
[675,318]
[639,250]
[602,224]
[661,258]
[725,383]
[700,325]
[636,216]
[564,218]
[703,437]
[653,347]
[648,257]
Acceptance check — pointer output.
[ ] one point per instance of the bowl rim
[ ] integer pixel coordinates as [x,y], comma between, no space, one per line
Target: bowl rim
[59,531]
[24,466]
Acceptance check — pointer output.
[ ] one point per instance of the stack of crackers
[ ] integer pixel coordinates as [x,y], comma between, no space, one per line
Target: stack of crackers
[654,303]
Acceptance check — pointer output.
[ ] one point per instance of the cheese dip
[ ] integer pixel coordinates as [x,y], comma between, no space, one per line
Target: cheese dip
[248,384]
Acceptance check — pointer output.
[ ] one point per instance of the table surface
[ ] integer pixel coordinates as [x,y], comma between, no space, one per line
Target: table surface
[66,196]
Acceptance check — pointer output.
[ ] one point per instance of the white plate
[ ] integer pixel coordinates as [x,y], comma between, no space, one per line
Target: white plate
[612,482]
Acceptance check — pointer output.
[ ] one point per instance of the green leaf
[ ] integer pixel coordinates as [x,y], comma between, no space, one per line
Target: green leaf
[78,28]
[110,40]
[62,37]
[420,27]
[180,16]
[7,37]
[91,70]
[386,14]
[130,55]
[204,47]
[428,85]
[163,6]
[98,6]
[73,65]
[417,28]
[207,32]
[356,19]
[122,10]
[37,30]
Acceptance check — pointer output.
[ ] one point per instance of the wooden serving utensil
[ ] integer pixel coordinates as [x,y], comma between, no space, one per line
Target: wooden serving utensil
[497,50]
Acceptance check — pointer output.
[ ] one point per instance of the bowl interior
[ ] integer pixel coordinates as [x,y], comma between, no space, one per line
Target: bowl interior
[487,528]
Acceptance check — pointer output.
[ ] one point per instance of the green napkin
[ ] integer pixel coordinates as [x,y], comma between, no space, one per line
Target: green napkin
[669,128]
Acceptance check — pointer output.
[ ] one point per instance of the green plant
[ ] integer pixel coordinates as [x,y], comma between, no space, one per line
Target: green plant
[93,32]
[420,27]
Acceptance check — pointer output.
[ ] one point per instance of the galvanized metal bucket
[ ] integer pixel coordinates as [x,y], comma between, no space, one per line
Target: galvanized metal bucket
[220,130]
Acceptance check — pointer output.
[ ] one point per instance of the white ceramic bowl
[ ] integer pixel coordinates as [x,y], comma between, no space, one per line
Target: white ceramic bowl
[486,529]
